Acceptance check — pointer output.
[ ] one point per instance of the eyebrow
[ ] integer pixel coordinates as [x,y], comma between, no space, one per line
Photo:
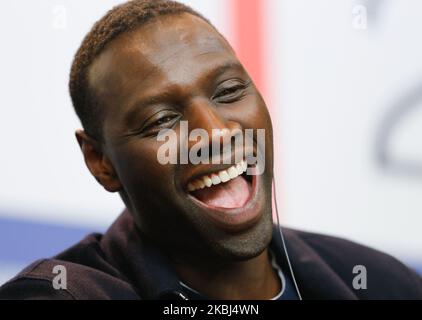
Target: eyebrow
[167,92]
[216,72]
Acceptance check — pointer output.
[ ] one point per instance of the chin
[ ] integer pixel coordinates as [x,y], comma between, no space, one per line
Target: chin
[245,245]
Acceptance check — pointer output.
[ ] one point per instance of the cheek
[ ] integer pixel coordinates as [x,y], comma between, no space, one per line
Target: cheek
[255,116]
[140,172]
[263,116]
[262,120]
[253,113]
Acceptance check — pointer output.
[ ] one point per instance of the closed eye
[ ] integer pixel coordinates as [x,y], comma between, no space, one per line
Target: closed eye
[163,120]
[155,125]
[231,93]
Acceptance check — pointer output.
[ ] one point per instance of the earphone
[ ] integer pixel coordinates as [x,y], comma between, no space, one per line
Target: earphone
[282,240]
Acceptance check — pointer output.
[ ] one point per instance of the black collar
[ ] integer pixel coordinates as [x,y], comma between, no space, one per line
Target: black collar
[152,276]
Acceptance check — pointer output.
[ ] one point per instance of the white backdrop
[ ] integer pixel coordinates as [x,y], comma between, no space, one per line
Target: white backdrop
[338,82]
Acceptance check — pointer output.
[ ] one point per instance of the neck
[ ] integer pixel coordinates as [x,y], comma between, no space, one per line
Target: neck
[253,279]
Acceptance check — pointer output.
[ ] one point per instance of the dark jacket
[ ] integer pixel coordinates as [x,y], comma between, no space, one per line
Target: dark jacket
[121,265]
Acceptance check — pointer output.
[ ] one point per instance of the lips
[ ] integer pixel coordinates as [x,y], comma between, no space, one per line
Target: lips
[228,197]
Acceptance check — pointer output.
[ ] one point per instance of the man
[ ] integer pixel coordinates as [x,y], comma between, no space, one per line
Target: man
[190,231]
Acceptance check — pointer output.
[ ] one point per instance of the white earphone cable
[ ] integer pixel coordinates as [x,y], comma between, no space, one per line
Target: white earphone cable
[284,243]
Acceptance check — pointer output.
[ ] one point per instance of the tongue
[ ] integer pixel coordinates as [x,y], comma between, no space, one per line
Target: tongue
[231,194]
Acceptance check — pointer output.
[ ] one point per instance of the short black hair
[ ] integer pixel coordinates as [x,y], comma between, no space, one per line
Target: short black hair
[120,19]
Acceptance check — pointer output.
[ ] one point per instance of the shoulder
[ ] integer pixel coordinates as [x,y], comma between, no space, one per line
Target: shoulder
[78,273]
[33,283]
[387,277]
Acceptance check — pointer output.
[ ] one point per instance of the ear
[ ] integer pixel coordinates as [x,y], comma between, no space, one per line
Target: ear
[97,162]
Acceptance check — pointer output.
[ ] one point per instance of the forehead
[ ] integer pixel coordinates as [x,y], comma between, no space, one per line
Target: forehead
[171,49]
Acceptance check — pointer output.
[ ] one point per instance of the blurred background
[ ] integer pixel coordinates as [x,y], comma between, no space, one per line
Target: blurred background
[342,80]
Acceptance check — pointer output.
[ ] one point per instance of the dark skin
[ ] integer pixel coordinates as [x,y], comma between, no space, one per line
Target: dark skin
[179,68]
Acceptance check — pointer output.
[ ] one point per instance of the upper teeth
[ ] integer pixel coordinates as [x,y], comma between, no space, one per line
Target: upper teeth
[218,177]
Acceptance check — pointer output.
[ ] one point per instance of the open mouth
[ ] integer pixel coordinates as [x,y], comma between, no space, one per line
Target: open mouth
[226,189]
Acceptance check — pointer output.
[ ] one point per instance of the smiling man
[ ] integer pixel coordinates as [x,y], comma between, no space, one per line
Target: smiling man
[190,231]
